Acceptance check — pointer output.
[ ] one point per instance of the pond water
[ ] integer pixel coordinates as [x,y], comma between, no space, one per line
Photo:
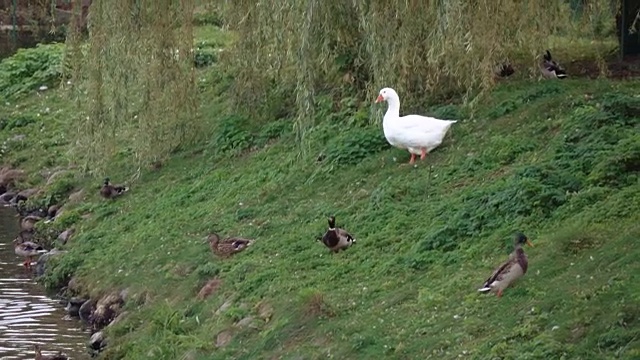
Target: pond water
[27,315]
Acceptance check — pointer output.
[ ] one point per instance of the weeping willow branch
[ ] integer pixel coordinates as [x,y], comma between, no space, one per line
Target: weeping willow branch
[135,85]
[421,48]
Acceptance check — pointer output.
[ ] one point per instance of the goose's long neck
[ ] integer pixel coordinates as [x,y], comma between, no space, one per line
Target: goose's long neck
[394,108]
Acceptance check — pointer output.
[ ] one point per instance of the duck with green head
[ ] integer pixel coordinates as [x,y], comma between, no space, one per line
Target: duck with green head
[335,238]
[110,191]
[550,68]
[511,270]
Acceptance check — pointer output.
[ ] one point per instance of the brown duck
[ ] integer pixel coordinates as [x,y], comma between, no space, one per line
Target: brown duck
[28,223]
[58,356]
[110,191]
[229,246]
[509,271]
[335,238]
[27,250]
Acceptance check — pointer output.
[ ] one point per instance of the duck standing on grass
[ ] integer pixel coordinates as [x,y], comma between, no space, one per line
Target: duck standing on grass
[335,238]
[509,271]
[229,246]
[109,191]
[416,133]
[551,69]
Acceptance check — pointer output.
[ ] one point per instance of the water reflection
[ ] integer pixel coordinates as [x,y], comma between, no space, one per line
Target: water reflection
[27,315]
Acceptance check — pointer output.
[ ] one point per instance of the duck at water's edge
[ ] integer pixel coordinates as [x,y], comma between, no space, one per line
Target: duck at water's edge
[58,356]
[28,250]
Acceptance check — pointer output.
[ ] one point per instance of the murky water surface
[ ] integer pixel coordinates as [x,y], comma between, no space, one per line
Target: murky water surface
[27,315]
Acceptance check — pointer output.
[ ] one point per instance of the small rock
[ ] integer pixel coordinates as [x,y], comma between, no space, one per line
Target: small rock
[209,288]
[118,318]
[76,197]
[98,341]
[43,88]
[28,192]
[265,311]
[55,176]
[223,338]
[42,261]
[73,285]
[85,311]
[65,235]
[224,307]
[246,322]
[124,294]
[73,306]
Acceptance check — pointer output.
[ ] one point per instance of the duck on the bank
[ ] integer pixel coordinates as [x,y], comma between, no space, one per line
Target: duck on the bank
[335,238]
[229,246]
[28,250]
[28,223]
[58,356]
[511,270]
[416,133]
[551,69]
[110,191]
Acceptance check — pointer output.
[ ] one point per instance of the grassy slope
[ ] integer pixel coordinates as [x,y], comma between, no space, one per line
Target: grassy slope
[537,156]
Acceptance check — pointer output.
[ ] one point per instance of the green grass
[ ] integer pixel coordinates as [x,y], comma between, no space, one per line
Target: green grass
[539,157]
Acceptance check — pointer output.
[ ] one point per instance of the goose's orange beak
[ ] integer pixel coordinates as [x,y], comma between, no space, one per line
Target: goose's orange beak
[529,243]
[380,98]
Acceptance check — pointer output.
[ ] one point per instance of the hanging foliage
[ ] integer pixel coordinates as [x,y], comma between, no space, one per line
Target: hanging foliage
[133,81]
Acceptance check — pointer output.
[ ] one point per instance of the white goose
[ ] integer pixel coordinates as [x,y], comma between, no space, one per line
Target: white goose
[418,134]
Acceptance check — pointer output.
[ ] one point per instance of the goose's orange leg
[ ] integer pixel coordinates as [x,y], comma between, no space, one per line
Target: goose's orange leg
[500,293]
[413,159]
[423,154]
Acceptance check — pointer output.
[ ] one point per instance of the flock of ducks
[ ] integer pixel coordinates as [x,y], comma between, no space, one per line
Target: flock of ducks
[549,68]
[415,133]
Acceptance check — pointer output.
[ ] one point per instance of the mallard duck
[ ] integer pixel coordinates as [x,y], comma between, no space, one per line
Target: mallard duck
[29,222]
[550,68]
[228,246]
[416,133]
[109,191]
[28,250]
[511,270]
[335,238]
[58,356]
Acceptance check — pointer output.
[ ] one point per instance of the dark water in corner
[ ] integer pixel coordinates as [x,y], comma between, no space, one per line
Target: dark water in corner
[27,315]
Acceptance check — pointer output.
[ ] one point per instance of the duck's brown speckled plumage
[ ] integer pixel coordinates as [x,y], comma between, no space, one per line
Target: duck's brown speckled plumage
[335,238]
[228,246]
[27,250]
[511,270]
